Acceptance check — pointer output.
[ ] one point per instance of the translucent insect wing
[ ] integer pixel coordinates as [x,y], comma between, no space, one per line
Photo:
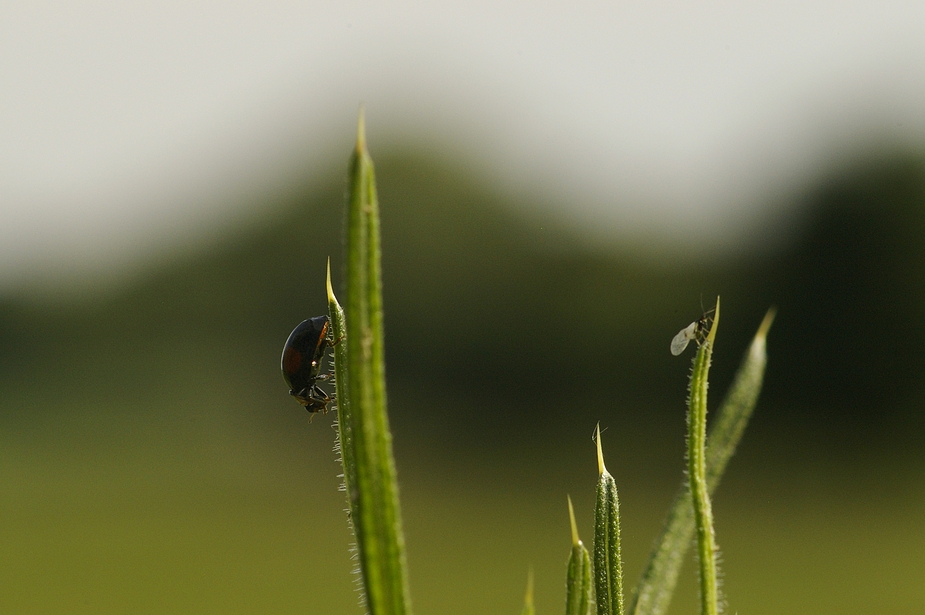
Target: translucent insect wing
[683,338]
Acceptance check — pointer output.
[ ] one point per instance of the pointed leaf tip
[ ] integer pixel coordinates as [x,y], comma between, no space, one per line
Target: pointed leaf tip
[328,285]
[529,609]
[571,516]
[767,322]
[712,334]
[757,348]
[361,130]
[601,468]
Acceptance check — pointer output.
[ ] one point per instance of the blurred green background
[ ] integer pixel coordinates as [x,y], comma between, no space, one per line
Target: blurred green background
[152,462]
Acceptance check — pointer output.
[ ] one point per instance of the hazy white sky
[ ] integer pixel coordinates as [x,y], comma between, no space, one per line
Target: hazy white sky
[128,126]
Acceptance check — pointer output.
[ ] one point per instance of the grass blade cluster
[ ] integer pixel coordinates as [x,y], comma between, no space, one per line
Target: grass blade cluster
[369,469]
[365,439]
[657,584]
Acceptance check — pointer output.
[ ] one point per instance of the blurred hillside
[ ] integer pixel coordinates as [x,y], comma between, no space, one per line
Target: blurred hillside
[493,306]
[508,338]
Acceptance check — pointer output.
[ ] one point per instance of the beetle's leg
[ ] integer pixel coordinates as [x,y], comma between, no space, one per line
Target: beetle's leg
[319,395]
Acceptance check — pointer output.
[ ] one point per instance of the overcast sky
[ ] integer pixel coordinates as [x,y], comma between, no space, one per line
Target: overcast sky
[129,126]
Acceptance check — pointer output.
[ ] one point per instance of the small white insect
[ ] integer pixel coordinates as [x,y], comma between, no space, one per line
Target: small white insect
[696,331]
[684,337]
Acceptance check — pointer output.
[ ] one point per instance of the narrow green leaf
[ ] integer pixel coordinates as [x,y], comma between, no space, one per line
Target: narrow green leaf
[529,609]
[697,472]
[737,408]
[608,565]
[344,418]
[365,440]
[657,584]
[578,580]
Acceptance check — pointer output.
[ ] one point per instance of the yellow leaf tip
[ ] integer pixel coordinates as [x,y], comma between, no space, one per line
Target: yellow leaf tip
[757,349]
[328,285]
[767,322]
[712,334]
[601,468]
[528,596]
[361,130]
[571,516]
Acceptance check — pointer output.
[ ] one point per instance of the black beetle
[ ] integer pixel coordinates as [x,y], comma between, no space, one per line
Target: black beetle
[301,363]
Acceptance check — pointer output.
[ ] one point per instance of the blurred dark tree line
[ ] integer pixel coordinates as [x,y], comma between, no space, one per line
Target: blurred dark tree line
[509,317]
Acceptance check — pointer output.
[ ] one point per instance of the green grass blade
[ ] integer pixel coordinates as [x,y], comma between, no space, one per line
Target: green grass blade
[365,439]
[737,408]
[657,584]
[697,473]
[608,565]
[578,580]
[344,445]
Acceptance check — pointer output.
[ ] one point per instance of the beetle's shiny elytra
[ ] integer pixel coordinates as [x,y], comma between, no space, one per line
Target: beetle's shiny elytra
[301,363]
